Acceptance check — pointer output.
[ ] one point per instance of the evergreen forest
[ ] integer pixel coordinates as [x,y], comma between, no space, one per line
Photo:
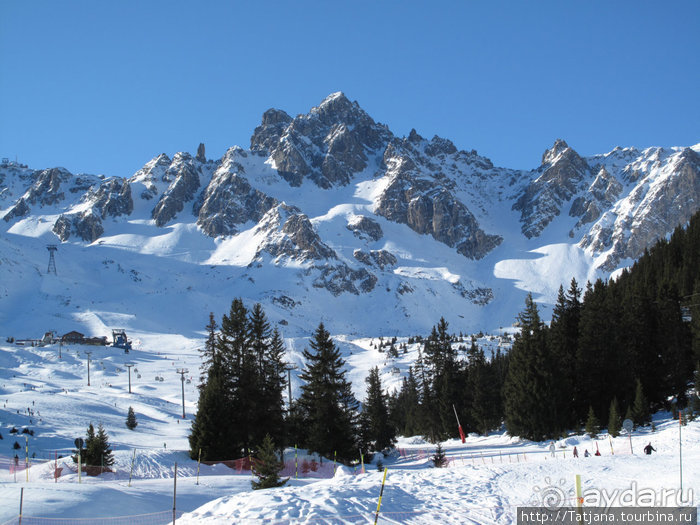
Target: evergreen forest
[614,349]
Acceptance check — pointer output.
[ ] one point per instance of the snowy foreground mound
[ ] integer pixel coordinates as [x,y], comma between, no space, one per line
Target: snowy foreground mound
[487,479]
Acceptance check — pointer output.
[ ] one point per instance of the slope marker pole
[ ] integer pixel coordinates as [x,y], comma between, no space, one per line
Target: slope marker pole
[381,493]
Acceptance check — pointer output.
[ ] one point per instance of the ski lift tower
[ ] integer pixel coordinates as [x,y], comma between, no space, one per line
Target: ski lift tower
[182,372]
[52,248]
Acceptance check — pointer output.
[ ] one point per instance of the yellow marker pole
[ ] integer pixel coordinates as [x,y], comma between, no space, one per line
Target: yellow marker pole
[362,460]
[199,460]
[381,493]
[334,459]
[612,452]
[296,463]
[579,497]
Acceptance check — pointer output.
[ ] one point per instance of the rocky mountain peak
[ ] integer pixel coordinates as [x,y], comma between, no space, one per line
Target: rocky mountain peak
[336,107]
[550,156]
[270,131]
[201,156]
[414,137]
[328,145]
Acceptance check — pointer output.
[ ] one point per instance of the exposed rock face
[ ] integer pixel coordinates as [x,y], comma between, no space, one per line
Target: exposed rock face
[184,177]
[427,205]
[601,195]
[47,189]
[562,174]
[341,278]
[152,174]
[229,200]
[289,233]
[86,225]
[268,134]
[201,157]
[328,145]
[112,198]
[380,258]
[365,228]
[656,205]
[21,209]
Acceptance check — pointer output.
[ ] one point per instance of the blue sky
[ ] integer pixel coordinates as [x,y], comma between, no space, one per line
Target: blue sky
[102,87]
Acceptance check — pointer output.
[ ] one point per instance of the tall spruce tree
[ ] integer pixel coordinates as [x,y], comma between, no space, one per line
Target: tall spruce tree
[269,379]
[210,427]
[603,368]
[614,421]
[640,408]
[326,401]
[209,436]
[529,388]
[103,447]
[97,450]
[563,342]
[484,391]
[592,424]
[405,410]
[241,382]
[375,428]
[443,389]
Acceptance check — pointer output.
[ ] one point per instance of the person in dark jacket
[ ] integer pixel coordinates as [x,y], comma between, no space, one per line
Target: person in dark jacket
[648,449]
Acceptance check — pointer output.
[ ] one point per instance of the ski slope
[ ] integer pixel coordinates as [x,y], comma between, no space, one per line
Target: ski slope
[487,479]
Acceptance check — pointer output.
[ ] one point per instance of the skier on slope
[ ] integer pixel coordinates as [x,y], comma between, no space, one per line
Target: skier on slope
[552,449]
[575,452]
[648,449]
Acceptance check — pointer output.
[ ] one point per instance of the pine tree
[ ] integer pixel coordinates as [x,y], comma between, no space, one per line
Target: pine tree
[326,401]
[614,423]
[592,424]
[529,386]
[91,457]
[209,352]
[563,342]
[628,414]
[268,378]
[103,448]
[404,407]
[439,458]
[603,371]
[131,419]
[376,429]
[210,424]
[267,467]
[97,455]
[484,392]
[239,379]
[640,408]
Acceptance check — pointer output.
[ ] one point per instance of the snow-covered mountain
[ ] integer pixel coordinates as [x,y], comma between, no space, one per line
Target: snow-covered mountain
[330,217]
